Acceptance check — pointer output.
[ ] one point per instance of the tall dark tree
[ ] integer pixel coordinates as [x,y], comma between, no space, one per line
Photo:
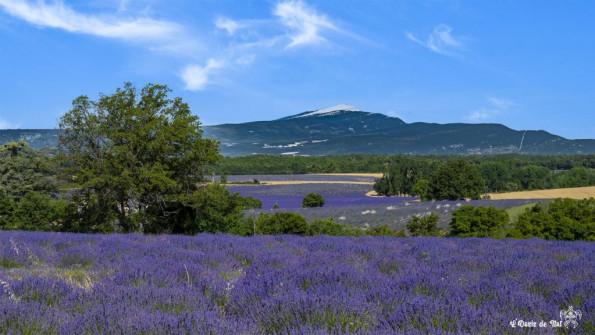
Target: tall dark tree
[137,155]
[24,169]
[456,180]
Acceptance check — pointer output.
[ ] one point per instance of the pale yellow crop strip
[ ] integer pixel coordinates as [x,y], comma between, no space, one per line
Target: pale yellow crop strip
[573,193]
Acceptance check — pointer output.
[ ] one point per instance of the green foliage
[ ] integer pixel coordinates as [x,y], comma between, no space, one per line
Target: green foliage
[421,189]
[212,209]
[223,178]
[509,172]
[136,154]
[496,176]
[250,203]
[23,169]
[576,177]
[37,212]
[424,226]
[561,219]
[401,178]
[7,207]
[328,227]
[456,180]
[281,223]
[470,221]
[90,212]
[383,230]
[534,177]
[313,200]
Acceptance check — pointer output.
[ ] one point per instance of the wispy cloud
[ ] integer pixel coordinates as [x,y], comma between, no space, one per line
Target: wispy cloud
[227,24]
[440,40]
[501,103]
[306,24]
[481,114]
[58,15]
[495,107]
[196,77]
[292,23]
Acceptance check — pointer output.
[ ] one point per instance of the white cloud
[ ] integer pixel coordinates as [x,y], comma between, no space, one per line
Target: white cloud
[501,103]
[481,114]
[439,41]
[228,25]
[197,77]
[57,15]
[7,125]
[304,21]
[498,106]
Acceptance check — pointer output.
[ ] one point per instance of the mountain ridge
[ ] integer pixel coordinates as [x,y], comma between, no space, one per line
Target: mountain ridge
[345,129]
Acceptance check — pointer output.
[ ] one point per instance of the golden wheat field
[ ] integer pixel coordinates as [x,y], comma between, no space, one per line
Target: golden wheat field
[573,193]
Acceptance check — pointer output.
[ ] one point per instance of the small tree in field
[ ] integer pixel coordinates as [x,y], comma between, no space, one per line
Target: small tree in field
[313,200]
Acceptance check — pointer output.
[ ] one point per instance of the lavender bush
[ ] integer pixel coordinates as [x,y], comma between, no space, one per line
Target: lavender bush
[55,283]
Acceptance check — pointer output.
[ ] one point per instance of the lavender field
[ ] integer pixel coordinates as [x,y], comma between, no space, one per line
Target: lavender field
[58,283]
[336,195]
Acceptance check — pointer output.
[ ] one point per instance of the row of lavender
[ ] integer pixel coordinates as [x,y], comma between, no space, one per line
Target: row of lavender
[131,284]
[335,195]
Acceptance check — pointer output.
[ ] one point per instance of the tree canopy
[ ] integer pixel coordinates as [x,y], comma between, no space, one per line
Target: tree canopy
[456,180]
[24,169]
[138,156]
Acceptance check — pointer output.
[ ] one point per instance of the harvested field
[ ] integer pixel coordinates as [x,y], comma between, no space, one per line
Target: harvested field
[573,193]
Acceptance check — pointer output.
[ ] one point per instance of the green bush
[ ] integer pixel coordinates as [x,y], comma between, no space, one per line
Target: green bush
[328,227]
[561,219]
[424,226]
[313,200]
[250,203]
[281,223]
[470,221]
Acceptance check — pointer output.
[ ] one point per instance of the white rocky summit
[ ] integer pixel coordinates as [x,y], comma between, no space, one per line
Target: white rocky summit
[331,111]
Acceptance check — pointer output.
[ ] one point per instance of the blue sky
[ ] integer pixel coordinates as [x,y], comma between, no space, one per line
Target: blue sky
[525,64]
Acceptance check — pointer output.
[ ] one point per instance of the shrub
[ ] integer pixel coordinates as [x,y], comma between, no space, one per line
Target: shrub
[383,230]
[327,227]
[424,226]
[561,219]
[470,221]
[281,223]
[313,200]
[250,203]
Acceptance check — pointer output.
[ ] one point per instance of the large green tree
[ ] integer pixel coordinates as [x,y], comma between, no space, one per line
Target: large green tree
[137,155]
[456,180]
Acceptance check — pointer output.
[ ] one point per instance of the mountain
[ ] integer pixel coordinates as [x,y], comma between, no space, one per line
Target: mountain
[345,129]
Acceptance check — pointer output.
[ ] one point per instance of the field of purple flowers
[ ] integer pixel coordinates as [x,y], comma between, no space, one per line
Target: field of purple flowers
[397,215]
[57,283]
[336,195]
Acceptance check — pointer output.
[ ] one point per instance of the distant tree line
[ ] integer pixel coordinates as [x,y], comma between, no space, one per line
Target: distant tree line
[466,178]
[268,164]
